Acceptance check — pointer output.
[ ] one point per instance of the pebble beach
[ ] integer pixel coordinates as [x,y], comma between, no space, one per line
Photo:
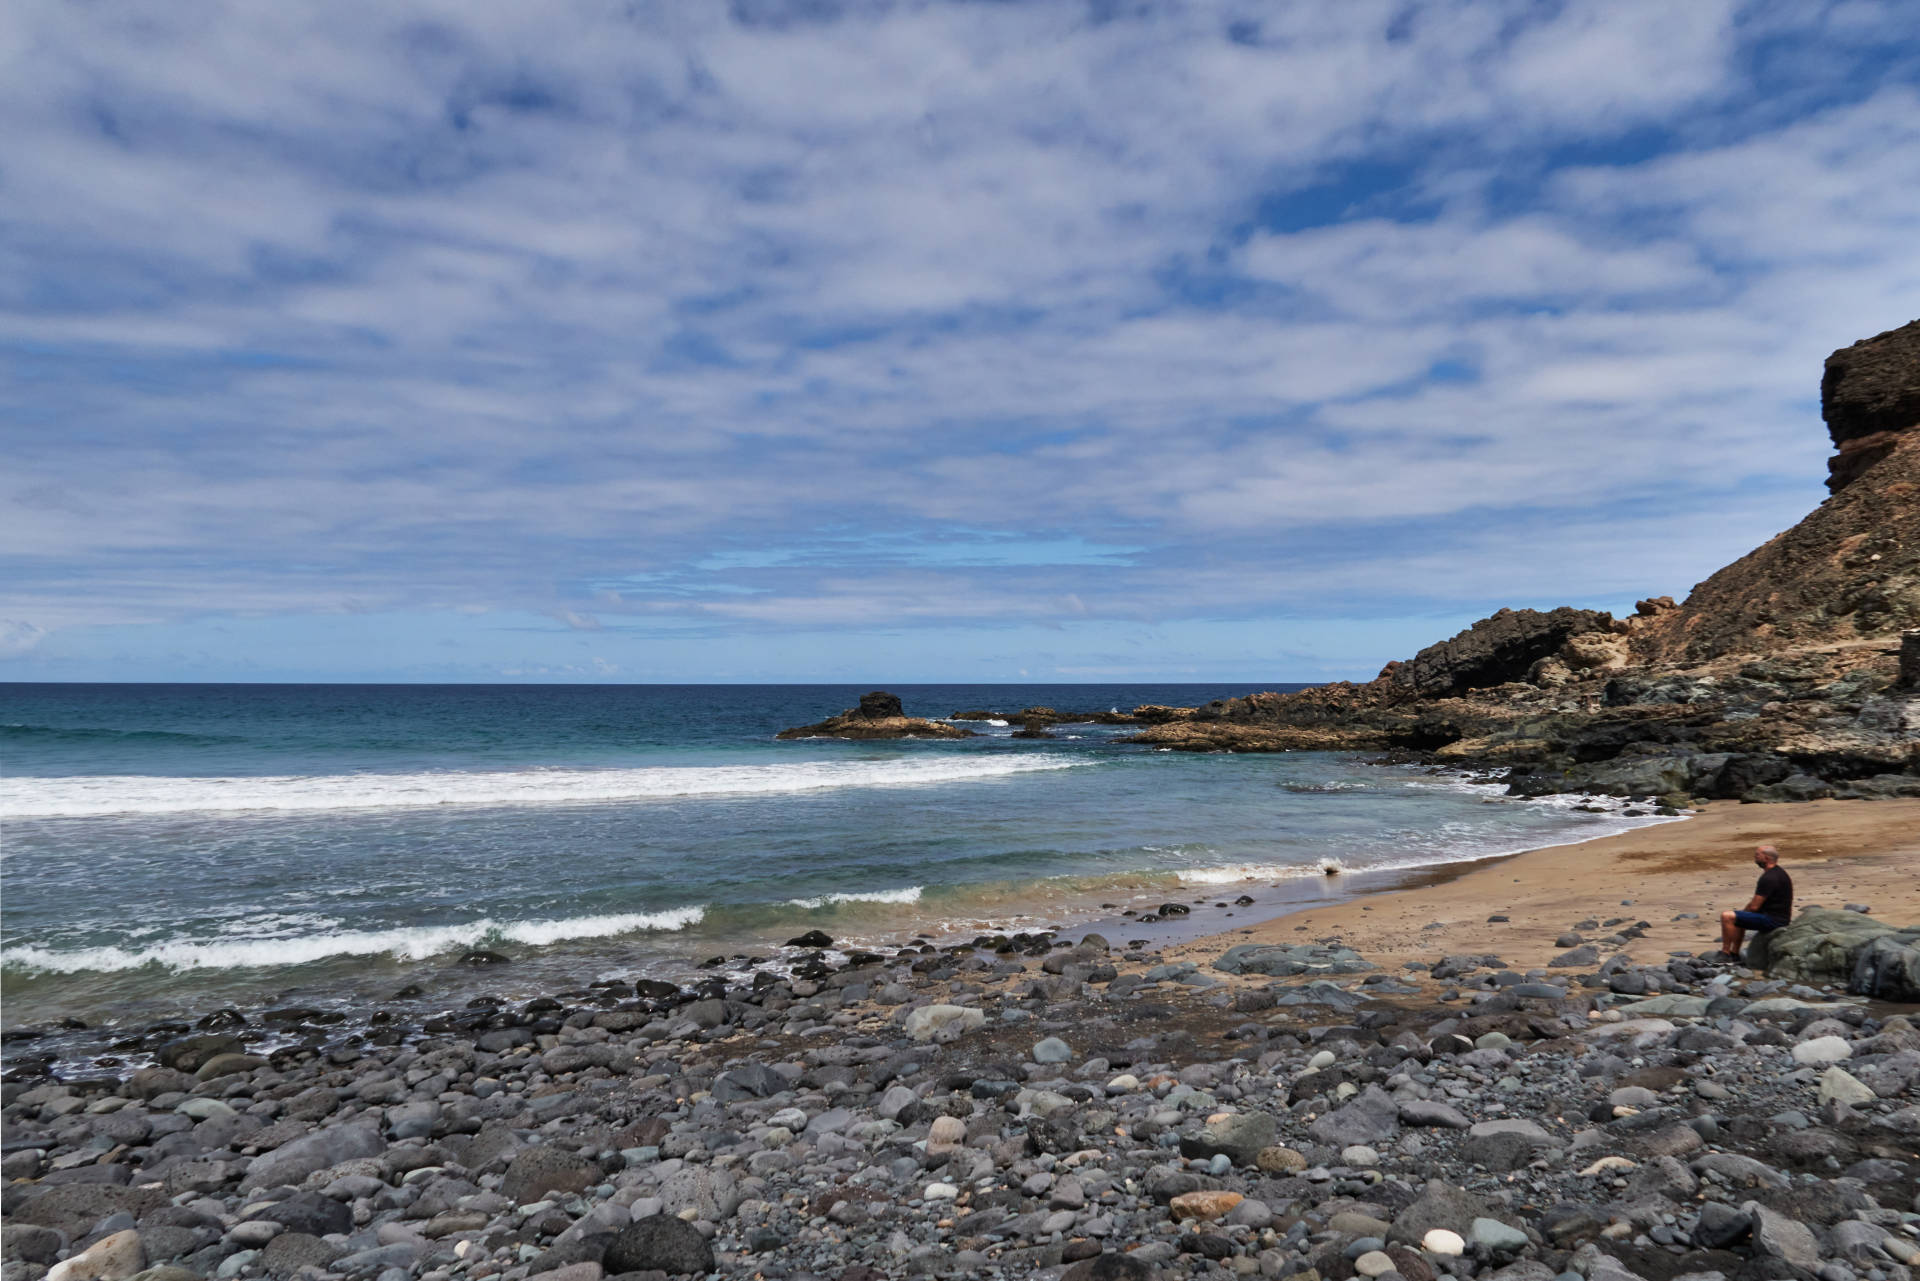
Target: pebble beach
[1313,1100]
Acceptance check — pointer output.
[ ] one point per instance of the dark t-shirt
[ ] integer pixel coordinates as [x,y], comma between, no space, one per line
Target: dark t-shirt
[1775,890]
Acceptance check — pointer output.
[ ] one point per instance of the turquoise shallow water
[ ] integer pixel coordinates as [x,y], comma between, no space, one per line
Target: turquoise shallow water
[173,848]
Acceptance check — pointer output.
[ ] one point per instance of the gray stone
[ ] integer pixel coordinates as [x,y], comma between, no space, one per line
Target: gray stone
[748,1081]
[1662,1176]
[1784,1238]
[285,1255]
[372,1262]
[1433,1113]
[1052,1050]
[660,1242]
[1888,968]
[536,1172]
[1239,1136]
[1371,1117]
[1720,1227]
[73,1208]
[313,1214]
[414,1120]
[712,1194]
[1440,1205]
[293,1162]
[705,1014]
[31,1242]
[1496,1236]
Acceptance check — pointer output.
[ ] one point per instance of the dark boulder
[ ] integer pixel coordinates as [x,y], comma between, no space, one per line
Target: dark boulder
[879,705]
[659,1242]
[1888,968]
[190,1053]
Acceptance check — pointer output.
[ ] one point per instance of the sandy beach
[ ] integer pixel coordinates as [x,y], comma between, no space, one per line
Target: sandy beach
[1837,852]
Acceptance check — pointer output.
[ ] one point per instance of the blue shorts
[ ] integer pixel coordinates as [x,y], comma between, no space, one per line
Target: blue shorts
[1755,921]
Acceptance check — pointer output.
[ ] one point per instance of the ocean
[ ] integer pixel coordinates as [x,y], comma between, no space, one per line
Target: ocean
[173,849]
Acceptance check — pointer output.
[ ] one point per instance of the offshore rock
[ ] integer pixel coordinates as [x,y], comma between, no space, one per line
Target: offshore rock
[878,715]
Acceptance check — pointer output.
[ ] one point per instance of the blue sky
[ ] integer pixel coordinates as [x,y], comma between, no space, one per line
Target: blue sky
[851,341]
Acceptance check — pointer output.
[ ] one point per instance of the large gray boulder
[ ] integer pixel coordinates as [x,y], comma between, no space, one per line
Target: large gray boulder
[1279,960]
[1889,968]
[1820,944]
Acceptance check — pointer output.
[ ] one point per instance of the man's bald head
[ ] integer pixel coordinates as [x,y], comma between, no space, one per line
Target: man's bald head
[1766,855]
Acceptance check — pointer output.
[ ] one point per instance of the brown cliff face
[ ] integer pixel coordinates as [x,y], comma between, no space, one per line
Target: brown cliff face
[1850,571]
[1870,398]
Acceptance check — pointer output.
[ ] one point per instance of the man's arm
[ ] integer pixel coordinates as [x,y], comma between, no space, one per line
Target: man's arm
[1758,899]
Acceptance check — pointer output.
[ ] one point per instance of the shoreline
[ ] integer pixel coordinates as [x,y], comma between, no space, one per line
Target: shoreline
[1677,876]
[1072,1113]
[1212,906]
[1660,872]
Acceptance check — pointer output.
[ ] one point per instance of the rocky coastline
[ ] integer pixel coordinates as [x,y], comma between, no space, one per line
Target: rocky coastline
[1025,1106]
[1791,675]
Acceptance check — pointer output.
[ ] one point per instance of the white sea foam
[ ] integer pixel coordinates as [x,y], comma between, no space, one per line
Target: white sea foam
[911,894]
[412,943]
[83,797]
[1233,872]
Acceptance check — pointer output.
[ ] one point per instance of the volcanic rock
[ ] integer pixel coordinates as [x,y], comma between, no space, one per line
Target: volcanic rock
[878,715]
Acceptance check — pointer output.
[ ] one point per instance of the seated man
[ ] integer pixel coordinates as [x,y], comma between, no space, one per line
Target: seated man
[1772,904]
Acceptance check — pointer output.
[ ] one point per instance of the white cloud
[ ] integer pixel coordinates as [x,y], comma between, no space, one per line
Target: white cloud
[17,637]
[469,306]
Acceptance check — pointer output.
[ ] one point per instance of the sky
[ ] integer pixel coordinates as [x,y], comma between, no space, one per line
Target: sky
[827,340]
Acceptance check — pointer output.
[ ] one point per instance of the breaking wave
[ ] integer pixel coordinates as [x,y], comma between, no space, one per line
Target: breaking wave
[98,796]
[412,943]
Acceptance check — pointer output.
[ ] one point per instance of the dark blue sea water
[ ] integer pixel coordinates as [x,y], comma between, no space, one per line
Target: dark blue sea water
[176,847]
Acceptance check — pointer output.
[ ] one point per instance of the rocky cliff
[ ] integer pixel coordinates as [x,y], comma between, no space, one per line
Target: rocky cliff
[1778,678]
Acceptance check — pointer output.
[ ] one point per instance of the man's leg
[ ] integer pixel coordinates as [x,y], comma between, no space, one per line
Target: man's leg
[1730,934]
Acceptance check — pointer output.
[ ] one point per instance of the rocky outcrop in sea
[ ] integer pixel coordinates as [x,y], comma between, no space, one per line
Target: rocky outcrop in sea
[878,715]
[1792,674]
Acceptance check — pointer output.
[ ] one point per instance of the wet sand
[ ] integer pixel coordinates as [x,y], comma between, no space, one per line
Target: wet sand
[1837,852]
